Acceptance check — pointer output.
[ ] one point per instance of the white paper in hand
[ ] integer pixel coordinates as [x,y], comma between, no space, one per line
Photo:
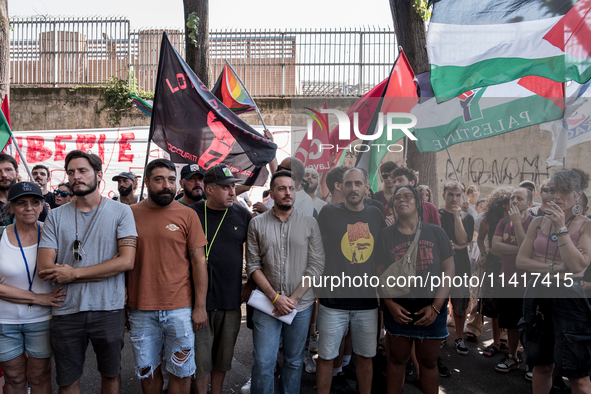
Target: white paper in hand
[259,300]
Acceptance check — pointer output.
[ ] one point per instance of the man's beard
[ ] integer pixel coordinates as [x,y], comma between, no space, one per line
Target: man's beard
[91,188]
[126,191]
[163,197]
[4,187]
[192,194]
[354,203]
[282,207]
[310,188]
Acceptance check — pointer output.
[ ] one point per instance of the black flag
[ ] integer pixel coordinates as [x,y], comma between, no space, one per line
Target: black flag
[194,127]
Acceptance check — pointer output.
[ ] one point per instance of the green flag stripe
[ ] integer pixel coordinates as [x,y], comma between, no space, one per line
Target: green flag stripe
[5,132]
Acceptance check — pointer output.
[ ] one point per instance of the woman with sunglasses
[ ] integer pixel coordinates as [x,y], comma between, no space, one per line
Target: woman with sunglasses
[557,250]
[63,194]
[25,299]
[420,316]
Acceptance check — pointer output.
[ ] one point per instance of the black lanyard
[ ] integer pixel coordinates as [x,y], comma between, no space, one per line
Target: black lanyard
[31,279]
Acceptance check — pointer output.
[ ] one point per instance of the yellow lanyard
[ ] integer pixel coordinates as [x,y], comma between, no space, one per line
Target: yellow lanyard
[207,250]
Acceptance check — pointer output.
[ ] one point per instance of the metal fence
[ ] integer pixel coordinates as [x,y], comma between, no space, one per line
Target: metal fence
[65,52]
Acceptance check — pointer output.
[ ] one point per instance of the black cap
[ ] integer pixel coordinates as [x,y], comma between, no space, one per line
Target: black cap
[21,189]
[191,169]
[221,175]
[128,175]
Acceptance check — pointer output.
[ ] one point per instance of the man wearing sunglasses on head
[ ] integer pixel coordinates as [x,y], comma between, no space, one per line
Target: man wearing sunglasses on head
[386,193]
[93,241]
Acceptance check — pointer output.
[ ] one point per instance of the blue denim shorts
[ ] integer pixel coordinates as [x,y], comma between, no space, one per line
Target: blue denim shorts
[151,330]
[437,330]
[560,333]
[33,338]
[332,325]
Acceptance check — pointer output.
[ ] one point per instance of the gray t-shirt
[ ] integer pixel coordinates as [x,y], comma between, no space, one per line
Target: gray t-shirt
[112,222]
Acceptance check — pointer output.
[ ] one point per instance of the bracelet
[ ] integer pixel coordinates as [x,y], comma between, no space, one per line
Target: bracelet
[552,267]
[435,309]
[569,241]
[277,296]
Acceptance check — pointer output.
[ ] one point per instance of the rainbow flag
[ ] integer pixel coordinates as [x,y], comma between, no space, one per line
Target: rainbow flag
[143,105]
[230,91]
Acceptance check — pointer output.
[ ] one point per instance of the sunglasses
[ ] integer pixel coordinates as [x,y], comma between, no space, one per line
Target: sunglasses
[76,247]
[406,196]
[62,194]
[281,168]
[387,175]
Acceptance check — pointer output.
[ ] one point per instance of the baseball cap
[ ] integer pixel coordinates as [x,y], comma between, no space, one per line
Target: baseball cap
[191,169]
[21,189]
[528,183]
[128,175]
[221,175]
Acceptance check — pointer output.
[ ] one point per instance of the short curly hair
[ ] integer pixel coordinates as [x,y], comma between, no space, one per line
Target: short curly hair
[568,181]
[496,201]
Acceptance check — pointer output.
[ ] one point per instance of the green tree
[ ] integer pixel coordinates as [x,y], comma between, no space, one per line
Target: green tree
[411,35]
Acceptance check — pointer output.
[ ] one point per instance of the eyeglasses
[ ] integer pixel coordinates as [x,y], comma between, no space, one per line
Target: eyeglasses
[61,193]
[406,196]
[76,247]
[25,204]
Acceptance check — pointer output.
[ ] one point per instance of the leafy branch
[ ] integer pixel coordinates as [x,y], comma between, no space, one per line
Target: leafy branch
[422,8]
[192,26]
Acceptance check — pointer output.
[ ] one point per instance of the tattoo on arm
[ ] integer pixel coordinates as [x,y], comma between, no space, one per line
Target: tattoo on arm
[128,241]
[192,253]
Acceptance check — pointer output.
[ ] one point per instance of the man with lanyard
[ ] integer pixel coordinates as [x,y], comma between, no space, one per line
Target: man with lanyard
[127,184]
[192,183]
[225,224]
[348,232]
[42,176]
[88,245]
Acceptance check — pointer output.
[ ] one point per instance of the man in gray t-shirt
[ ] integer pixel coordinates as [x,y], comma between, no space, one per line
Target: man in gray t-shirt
[86,247]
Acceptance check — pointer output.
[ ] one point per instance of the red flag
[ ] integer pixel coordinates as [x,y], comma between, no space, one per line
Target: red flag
[365,107]
[310,150]
[6,111]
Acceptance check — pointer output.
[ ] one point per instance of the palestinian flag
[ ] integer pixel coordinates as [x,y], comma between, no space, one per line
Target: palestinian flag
[484,112]
[194,127]
[230,91]
[5,132]
[472,44]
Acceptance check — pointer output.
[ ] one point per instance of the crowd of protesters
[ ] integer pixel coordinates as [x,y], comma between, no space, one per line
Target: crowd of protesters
[174,268]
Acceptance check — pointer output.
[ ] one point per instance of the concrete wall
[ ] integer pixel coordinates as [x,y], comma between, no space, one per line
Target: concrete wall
[505,159]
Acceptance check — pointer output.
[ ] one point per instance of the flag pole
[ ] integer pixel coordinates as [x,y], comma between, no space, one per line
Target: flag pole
[21,155]
[256,107]
[452,164]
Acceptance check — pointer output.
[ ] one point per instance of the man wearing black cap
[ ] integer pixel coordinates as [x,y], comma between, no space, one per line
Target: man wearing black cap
[225,225]
[127,184]
[192,184]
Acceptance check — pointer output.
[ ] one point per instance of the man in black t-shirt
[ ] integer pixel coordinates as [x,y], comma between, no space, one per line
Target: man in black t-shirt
[459,228]
[349,231]
[42,176]
[225,225]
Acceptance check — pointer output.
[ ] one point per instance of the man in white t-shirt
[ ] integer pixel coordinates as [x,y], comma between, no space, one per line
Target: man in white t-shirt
[312,177]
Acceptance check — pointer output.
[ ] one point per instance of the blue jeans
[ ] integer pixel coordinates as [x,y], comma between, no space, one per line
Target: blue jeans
[267,331]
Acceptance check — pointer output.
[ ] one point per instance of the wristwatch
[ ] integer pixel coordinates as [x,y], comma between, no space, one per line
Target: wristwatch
[562,231]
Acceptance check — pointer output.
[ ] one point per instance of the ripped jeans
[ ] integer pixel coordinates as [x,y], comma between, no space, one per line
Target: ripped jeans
[153,332]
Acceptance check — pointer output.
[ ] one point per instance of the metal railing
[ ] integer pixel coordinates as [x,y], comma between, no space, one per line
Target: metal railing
[65,52]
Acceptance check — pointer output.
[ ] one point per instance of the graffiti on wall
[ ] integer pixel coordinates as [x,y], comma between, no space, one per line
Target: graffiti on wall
[505,171]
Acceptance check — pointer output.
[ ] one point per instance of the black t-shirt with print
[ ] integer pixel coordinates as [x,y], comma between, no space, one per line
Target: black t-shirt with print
[461,258]
[349,246]
[225,257]
[434,247]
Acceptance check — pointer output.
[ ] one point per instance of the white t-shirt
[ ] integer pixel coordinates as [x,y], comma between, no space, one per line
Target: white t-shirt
[13,273]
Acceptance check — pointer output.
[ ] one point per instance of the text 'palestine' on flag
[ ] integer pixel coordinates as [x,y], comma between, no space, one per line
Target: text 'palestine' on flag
[473,44]
[399,96]
[484,112]
[231,92]
[194,127]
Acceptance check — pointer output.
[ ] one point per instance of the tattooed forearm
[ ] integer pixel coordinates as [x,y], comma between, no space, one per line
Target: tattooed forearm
[128,241]
[192,253]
